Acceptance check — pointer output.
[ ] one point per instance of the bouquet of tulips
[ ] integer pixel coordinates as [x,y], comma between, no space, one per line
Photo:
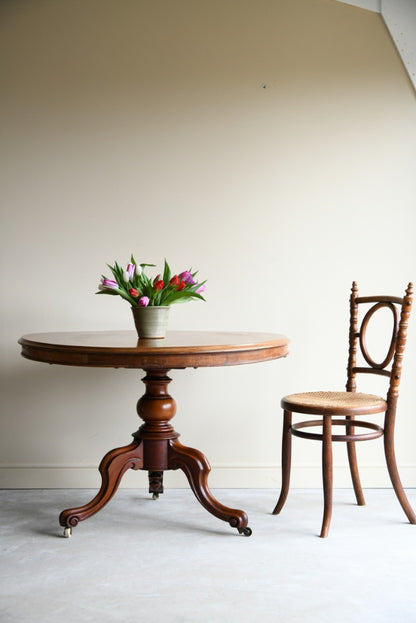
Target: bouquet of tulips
[133,285]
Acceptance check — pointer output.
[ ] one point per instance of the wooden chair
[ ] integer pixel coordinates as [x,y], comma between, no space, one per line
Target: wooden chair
[341,408]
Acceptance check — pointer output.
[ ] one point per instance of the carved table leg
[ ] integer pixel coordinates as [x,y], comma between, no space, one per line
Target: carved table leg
[112,467]
[196,467]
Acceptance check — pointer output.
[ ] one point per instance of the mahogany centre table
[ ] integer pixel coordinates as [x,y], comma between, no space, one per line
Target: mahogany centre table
[155,446]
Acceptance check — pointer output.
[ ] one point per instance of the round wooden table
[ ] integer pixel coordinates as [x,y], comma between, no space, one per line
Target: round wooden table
[155,447]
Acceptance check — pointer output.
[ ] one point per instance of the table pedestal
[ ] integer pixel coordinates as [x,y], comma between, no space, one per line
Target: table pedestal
[155,448]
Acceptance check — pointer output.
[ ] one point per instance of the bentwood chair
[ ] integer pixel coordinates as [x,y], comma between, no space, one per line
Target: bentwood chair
[341,408]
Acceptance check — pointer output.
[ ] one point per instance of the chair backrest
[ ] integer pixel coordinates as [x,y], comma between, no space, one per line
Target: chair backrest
[391,366]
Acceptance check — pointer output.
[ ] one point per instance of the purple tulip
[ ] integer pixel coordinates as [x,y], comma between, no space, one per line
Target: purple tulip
[187,277]
[130,269]
[143,301]
[201,289]
[108,284]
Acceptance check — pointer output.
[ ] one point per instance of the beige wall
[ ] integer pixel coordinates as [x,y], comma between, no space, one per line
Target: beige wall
[144,126]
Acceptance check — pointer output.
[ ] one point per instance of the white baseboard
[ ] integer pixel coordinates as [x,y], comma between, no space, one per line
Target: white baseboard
[47,476]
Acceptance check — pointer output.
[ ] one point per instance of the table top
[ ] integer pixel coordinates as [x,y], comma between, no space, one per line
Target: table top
[179,349]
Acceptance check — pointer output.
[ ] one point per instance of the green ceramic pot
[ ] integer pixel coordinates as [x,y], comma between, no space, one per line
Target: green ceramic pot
[151,322]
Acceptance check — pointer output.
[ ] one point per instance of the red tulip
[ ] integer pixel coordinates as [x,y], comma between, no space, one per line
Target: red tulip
[175,281]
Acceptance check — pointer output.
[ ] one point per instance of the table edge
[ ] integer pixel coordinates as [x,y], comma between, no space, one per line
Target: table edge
[150,357]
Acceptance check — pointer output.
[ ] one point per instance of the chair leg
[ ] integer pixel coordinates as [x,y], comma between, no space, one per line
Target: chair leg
[327,474]
[394,474]
[352,460]
[286,461]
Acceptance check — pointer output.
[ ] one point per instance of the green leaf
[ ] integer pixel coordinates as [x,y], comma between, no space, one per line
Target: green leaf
[166,273]
[113,292]
[127,297]
[117,273]
[181,296]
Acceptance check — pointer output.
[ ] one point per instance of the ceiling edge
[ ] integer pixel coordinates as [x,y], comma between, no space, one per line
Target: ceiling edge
[370,5]
[399,17]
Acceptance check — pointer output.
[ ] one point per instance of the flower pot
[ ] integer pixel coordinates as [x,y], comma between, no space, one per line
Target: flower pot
[151,322]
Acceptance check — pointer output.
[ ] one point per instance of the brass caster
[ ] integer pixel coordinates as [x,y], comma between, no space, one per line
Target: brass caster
[245,531]
[155,496]
[67,533]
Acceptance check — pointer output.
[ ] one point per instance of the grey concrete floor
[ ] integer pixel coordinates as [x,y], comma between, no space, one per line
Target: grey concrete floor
[169,560]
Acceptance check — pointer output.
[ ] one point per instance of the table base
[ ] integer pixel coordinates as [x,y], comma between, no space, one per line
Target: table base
[155,449]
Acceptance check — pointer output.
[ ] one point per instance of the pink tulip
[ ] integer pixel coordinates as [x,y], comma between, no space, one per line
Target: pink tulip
[143,301]
[130,269]
[201,289]
[108,284]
